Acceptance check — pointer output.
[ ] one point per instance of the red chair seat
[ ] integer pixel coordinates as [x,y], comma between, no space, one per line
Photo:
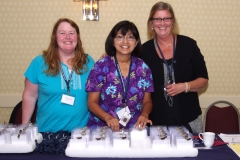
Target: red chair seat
[222,119]
[16,115]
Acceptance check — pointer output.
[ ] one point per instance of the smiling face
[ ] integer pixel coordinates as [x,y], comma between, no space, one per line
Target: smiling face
[66,37]
[162,25]
[124,44]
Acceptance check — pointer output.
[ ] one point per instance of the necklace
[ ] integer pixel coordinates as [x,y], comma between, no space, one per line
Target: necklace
[168,45]
[167,55]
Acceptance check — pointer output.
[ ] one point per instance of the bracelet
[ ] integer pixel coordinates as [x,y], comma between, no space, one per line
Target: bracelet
[187,87]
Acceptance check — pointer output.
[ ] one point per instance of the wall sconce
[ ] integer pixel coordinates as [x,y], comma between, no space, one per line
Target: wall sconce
[90,9]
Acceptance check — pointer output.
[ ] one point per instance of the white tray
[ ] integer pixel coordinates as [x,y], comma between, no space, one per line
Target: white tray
[131,153]
[21,148]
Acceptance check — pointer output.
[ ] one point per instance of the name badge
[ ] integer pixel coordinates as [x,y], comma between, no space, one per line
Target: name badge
[125,118]
[122,110]
[124,115]
[67,99]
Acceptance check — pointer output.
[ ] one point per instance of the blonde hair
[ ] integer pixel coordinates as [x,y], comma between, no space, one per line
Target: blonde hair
[157,7]
[51,55]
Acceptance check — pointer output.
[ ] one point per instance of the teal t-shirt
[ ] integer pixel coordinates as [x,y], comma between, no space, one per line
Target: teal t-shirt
[52,114]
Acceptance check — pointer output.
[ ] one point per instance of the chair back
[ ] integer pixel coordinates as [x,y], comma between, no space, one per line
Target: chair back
[16,115]
[221,119]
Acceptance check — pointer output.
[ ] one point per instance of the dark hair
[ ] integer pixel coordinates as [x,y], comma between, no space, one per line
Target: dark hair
[124,27]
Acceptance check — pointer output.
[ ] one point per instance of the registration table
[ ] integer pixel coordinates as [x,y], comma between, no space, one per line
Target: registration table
[222,152]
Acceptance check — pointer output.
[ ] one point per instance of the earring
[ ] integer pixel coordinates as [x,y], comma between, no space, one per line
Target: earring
[152,28]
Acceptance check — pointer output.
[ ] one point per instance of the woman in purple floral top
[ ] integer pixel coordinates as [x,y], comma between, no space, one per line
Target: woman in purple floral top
[119,85]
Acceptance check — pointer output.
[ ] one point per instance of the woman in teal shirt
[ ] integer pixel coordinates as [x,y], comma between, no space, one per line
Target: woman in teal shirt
[57,80]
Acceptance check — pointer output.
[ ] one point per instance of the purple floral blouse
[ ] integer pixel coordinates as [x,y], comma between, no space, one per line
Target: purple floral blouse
[104,78]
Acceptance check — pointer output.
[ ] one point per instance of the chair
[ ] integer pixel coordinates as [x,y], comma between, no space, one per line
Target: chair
[16,115]
[219,119]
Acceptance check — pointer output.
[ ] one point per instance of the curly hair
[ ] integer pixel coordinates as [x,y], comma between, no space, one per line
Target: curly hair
[51,55]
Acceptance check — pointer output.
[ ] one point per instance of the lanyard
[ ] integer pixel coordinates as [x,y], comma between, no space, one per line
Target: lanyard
[168,67]
[67,81]
[121,80]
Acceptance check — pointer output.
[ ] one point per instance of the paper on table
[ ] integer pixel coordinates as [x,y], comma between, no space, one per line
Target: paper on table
[233,140]
[235,148]
[230,138]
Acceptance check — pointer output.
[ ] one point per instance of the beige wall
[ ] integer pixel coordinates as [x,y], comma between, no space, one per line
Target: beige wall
[25,27]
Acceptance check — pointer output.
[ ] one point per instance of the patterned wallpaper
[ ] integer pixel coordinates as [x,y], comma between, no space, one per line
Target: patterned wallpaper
[26,26]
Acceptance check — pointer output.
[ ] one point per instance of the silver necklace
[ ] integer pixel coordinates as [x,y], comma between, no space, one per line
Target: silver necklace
[168,45]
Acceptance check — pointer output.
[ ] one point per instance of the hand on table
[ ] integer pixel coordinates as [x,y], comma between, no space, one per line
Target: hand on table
[142,121]
[113,123]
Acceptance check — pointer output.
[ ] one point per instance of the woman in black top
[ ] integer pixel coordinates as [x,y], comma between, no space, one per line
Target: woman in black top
[178,70]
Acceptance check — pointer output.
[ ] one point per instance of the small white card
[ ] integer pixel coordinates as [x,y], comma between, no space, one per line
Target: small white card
[67,99]
[125,118]
[124,115]
[122,111]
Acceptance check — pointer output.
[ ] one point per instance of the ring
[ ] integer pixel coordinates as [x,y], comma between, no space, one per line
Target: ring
[139,127]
